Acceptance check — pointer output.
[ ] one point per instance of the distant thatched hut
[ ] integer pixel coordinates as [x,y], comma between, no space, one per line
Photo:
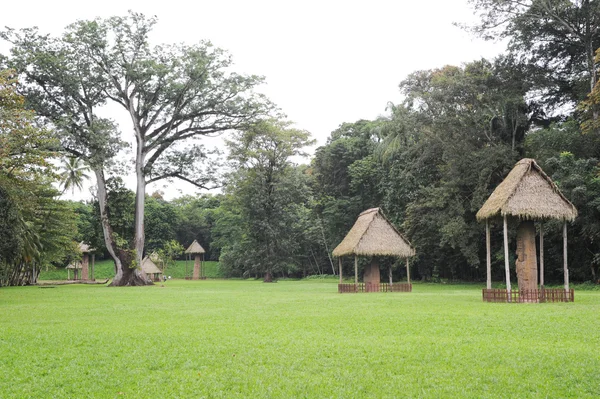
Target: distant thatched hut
[526,195]
[196,249]
[373,235]
[76,267]
[86,250]
[151,270]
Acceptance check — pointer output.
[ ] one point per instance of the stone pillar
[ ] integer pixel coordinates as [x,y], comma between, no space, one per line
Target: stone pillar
[526,256]
[196,275]
[85,274]
[372,276]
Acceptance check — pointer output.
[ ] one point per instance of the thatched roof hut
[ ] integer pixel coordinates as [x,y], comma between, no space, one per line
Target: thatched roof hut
[150,267]
[74,265]
[527,193]
[195,248]
[374,235]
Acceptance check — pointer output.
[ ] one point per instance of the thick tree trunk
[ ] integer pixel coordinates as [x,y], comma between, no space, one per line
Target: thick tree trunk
[140,197]
[125,274]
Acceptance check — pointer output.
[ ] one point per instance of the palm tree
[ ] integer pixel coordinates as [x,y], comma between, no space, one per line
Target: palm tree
[73,174]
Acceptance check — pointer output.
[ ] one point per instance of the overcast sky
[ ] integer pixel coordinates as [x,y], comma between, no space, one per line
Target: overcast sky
[325,62]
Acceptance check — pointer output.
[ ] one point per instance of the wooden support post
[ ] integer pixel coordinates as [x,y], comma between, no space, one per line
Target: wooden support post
[565,265]
[541,255]
[506,260]
[355,269]
[390,276]
[93,267]
[340,265]
[407,271]
[488,254]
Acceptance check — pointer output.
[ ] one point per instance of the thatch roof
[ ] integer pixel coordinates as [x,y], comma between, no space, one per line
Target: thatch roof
[374,235]
[85,248]
[150,267]
[75,265]
[195,248]
[527,193]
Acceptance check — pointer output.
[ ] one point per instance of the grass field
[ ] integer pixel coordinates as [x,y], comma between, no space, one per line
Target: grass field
[292,339]
[106,269]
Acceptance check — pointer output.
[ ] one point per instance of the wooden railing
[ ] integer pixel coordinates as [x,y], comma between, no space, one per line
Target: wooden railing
[375,287]
[536,295]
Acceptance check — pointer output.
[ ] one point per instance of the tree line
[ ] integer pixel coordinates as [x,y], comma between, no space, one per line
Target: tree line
[430,164]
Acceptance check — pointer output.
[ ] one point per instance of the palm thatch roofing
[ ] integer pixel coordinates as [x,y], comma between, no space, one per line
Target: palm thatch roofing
[374,235]
[85,248]
[150,267]
[195,248]
[75,265]
[527,193]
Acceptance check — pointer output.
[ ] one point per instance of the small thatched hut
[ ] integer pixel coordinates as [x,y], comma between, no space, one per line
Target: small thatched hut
[526,195]
[150,268]
[196,249]
[373,235]
[85,264]
[76,267]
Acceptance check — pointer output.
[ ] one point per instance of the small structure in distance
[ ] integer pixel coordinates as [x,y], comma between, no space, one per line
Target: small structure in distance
[373,235]
[196,249]
[151,270]
[525,196]
[83,265]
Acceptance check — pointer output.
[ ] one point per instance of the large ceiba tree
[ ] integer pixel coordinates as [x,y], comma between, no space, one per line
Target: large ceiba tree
[173,95]
[556,39]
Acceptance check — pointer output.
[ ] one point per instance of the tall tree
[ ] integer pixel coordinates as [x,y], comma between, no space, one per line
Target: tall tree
[173,94]
[556,39]
[269,192]
[35,228]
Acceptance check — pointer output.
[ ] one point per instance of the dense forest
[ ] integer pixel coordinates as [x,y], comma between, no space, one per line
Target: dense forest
[430,163]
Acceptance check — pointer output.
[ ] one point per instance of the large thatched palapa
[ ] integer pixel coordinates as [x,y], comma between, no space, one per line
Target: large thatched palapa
[196,249]
[526,195]
[373,235]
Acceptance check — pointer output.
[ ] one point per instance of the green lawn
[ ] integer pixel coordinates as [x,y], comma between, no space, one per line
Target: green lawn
[106,269]
[292,339]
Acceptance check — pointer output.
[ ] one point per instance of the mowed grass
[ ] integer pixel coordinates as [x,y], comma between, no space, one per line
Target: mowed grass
[104,269]
[292,339]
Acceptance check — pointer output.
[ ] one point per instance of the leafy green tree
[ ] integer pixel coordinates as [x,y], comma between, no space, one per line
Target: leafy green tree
[555,39]
[35,228]
[269,192]
[173,94]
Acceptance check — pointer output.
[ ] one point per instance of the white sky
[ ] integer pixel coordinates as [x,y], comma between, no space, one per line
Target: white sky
[325,62]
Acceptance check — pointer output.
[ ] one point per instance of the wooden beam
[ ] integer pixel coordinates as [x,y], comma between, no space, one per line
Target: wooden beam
[565,265]
[355,269]
[541,254]
[489,255]
[340,265]
[506,261]
[407,270]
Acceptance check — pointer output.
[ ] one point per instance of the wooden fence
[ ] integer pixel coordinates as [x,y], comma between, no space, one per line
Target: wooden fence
[375,287]
[537,295]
